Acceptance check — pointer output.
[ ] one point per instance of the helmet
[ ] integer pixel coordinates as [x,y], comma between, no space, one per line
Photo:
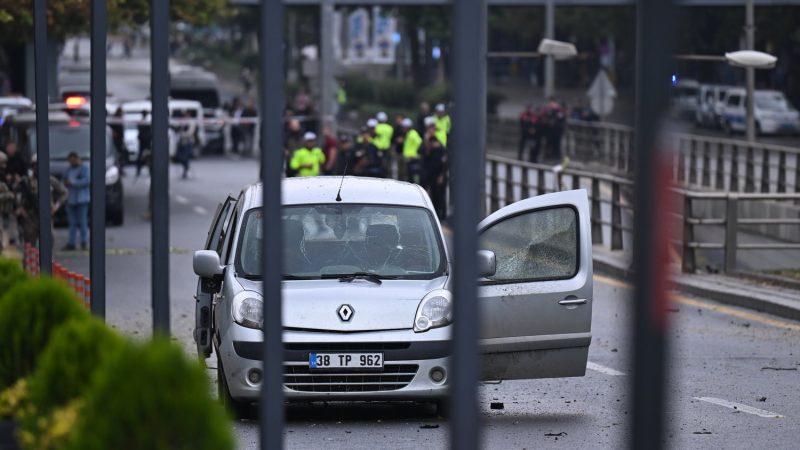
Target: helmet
[382,117]
[430,121]
[407,123]
[371,123]
[309,136]
[440,107]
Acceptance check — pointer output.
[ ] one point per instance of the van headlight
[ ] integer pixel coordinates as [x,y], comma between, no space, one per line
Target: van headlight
[435,310]
[248,309]
[112,175]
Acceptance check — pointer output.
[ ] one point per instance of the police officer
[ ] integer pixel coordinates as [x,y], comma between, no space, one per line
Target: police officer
[28,203]
[383,139]
[412,142]
[443,124]
[365,160]
[307,160]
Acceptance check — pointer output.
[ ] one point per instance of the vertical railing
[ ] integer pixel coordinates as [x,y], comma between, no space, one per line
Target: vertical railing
[97,261]
[42,135]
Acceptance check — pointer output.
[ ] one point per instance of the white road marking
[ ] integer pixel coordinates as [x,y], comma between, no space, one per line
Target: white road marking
[200,210]
[739,407]
[181,199]
[603,369]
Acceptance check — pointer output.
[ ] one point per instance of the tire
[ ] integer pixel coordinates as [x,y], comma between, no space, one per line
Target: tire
[240,410]
[442,408]
[117,217]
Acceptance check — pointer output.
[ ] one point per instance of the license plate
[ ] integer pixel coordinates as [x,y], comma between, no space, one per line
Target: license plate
[345,360]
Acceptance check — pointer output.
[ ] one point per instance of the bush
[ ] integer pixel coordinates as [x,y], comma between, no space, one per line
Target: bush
[29,314]
[151,397]
[395,94]
[77,349]
[437,93]
[11,273]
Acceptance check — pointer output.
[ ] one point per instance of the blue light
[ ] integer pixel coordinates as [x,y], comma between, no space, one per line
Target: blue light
[436,52]
[674,79]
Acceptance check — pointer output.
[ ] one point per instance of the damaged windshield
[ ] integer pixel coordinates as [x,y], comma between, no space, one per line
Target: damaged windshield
[321,241]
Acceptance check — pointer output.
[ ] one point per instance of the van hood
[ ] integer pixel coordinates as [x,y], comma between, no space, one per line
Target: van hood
[313,304]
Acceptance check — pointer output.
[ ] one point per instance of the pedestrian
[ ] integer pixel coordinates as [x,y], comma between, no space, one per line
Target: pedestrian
[398,135]
[235,112]
[537,133]
[436,168]
[341,100]
[526,129]
[292,139]
[307,160]
[249,115]
[331,150]
[76,180]
[145,143]
[411,143]
[343,155]
[366,160]
[7,198]
[424,112]
[186,142]
[15,166]
[118,136]
[27,212]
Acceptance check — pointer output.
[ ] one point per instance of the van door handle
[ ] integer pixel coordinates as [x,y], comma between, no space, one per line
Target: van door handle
[573,301]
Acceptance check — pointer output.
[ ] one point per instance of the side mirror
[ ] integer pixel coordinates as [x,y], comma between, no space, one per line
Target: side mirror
[206,264]
[487,263]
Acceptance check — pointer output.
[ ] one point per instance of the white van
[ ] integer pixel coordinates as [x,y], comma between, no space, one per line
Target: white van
[132,115]
[773,113]
[683,98]
[710,104]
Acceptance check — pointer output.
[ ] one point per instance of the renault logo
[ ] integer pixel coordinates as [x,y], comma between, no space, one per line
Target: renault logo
[345,312]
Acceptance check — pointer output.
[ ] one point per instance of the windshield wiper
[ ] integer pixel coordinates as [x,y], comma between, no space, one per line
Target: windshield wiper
[349,277]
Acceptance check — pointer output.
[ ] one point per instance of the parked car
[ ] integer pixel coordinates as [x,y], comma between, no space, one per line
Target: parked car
[193,83]
[68,135]
[710,104]
[772,112]
[367,300]
[13,104]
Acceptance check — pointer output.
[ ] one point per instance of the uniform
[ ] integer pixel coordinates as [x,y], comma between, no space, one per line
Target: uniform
[411,145]
[305,156]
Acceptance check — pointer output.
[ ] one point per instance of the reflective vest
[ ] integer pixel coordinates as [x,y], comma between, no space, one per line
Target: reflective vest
[442,128]
[341,96]
[411,144]
[383,136]
[303,156]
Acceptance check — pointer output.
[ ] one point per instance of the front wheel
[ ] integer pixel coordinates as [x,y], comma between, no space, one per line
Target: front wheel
[239,409]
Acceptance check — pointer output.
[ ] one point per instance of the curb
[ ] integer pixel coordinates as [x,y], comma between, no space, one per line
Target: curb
[776,306]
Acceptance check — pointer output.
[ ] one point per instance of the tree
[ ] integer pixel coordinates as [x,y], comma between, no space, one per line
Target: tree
[70,17]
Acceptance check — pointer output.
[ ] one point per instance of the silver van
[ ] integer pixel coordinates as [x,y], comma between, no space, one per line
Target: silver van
[367,300]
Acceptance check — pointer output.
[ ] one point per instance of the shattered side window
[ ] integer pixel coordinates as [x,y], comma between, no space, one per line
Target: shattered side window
[537,245]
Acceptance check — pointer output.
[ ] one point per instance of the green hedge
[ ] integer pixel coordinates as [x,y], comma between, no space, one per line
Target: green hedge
[11,273]
[29,314]
[151,397]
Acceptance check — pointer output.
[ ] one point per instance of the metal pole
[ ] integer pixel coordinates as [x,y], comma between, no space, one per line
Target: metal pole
[42,136]
[159,172]
[750,30]
[652,205]
[97,261]
[467,155]
[326,63]
[549,62]
[271,76]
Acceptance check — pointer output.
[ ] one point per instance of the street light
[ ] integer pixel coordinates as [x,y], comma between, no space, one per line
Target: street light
[750,60]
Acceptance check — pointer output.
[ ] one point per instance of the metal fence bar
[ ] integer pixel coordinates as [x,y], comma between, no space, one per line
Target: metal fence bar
[469,89]
[654,22]
[42,136]
[97,258]
[159,171]
[731,232]
[270,48]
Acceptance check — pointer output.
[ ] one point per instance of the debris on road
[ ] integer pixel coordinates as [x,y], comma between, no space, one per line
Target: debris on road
[702,432]
[497,405]
[761,399]
[778,368]
[428,426]
[563,433]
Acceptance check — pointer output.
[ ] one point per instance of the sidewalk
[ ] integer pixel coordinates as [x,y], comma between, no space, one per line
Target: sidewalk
[737,291]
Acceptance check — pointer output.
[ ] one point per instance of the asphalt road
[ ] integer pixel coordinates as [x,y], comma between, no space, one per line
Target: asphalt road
[719,353]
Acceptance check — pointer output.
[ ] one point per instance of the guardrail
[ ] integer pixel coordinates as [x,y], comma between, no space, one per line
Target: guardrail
[715,163]
[610,196]
[509,180]
[732,226]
